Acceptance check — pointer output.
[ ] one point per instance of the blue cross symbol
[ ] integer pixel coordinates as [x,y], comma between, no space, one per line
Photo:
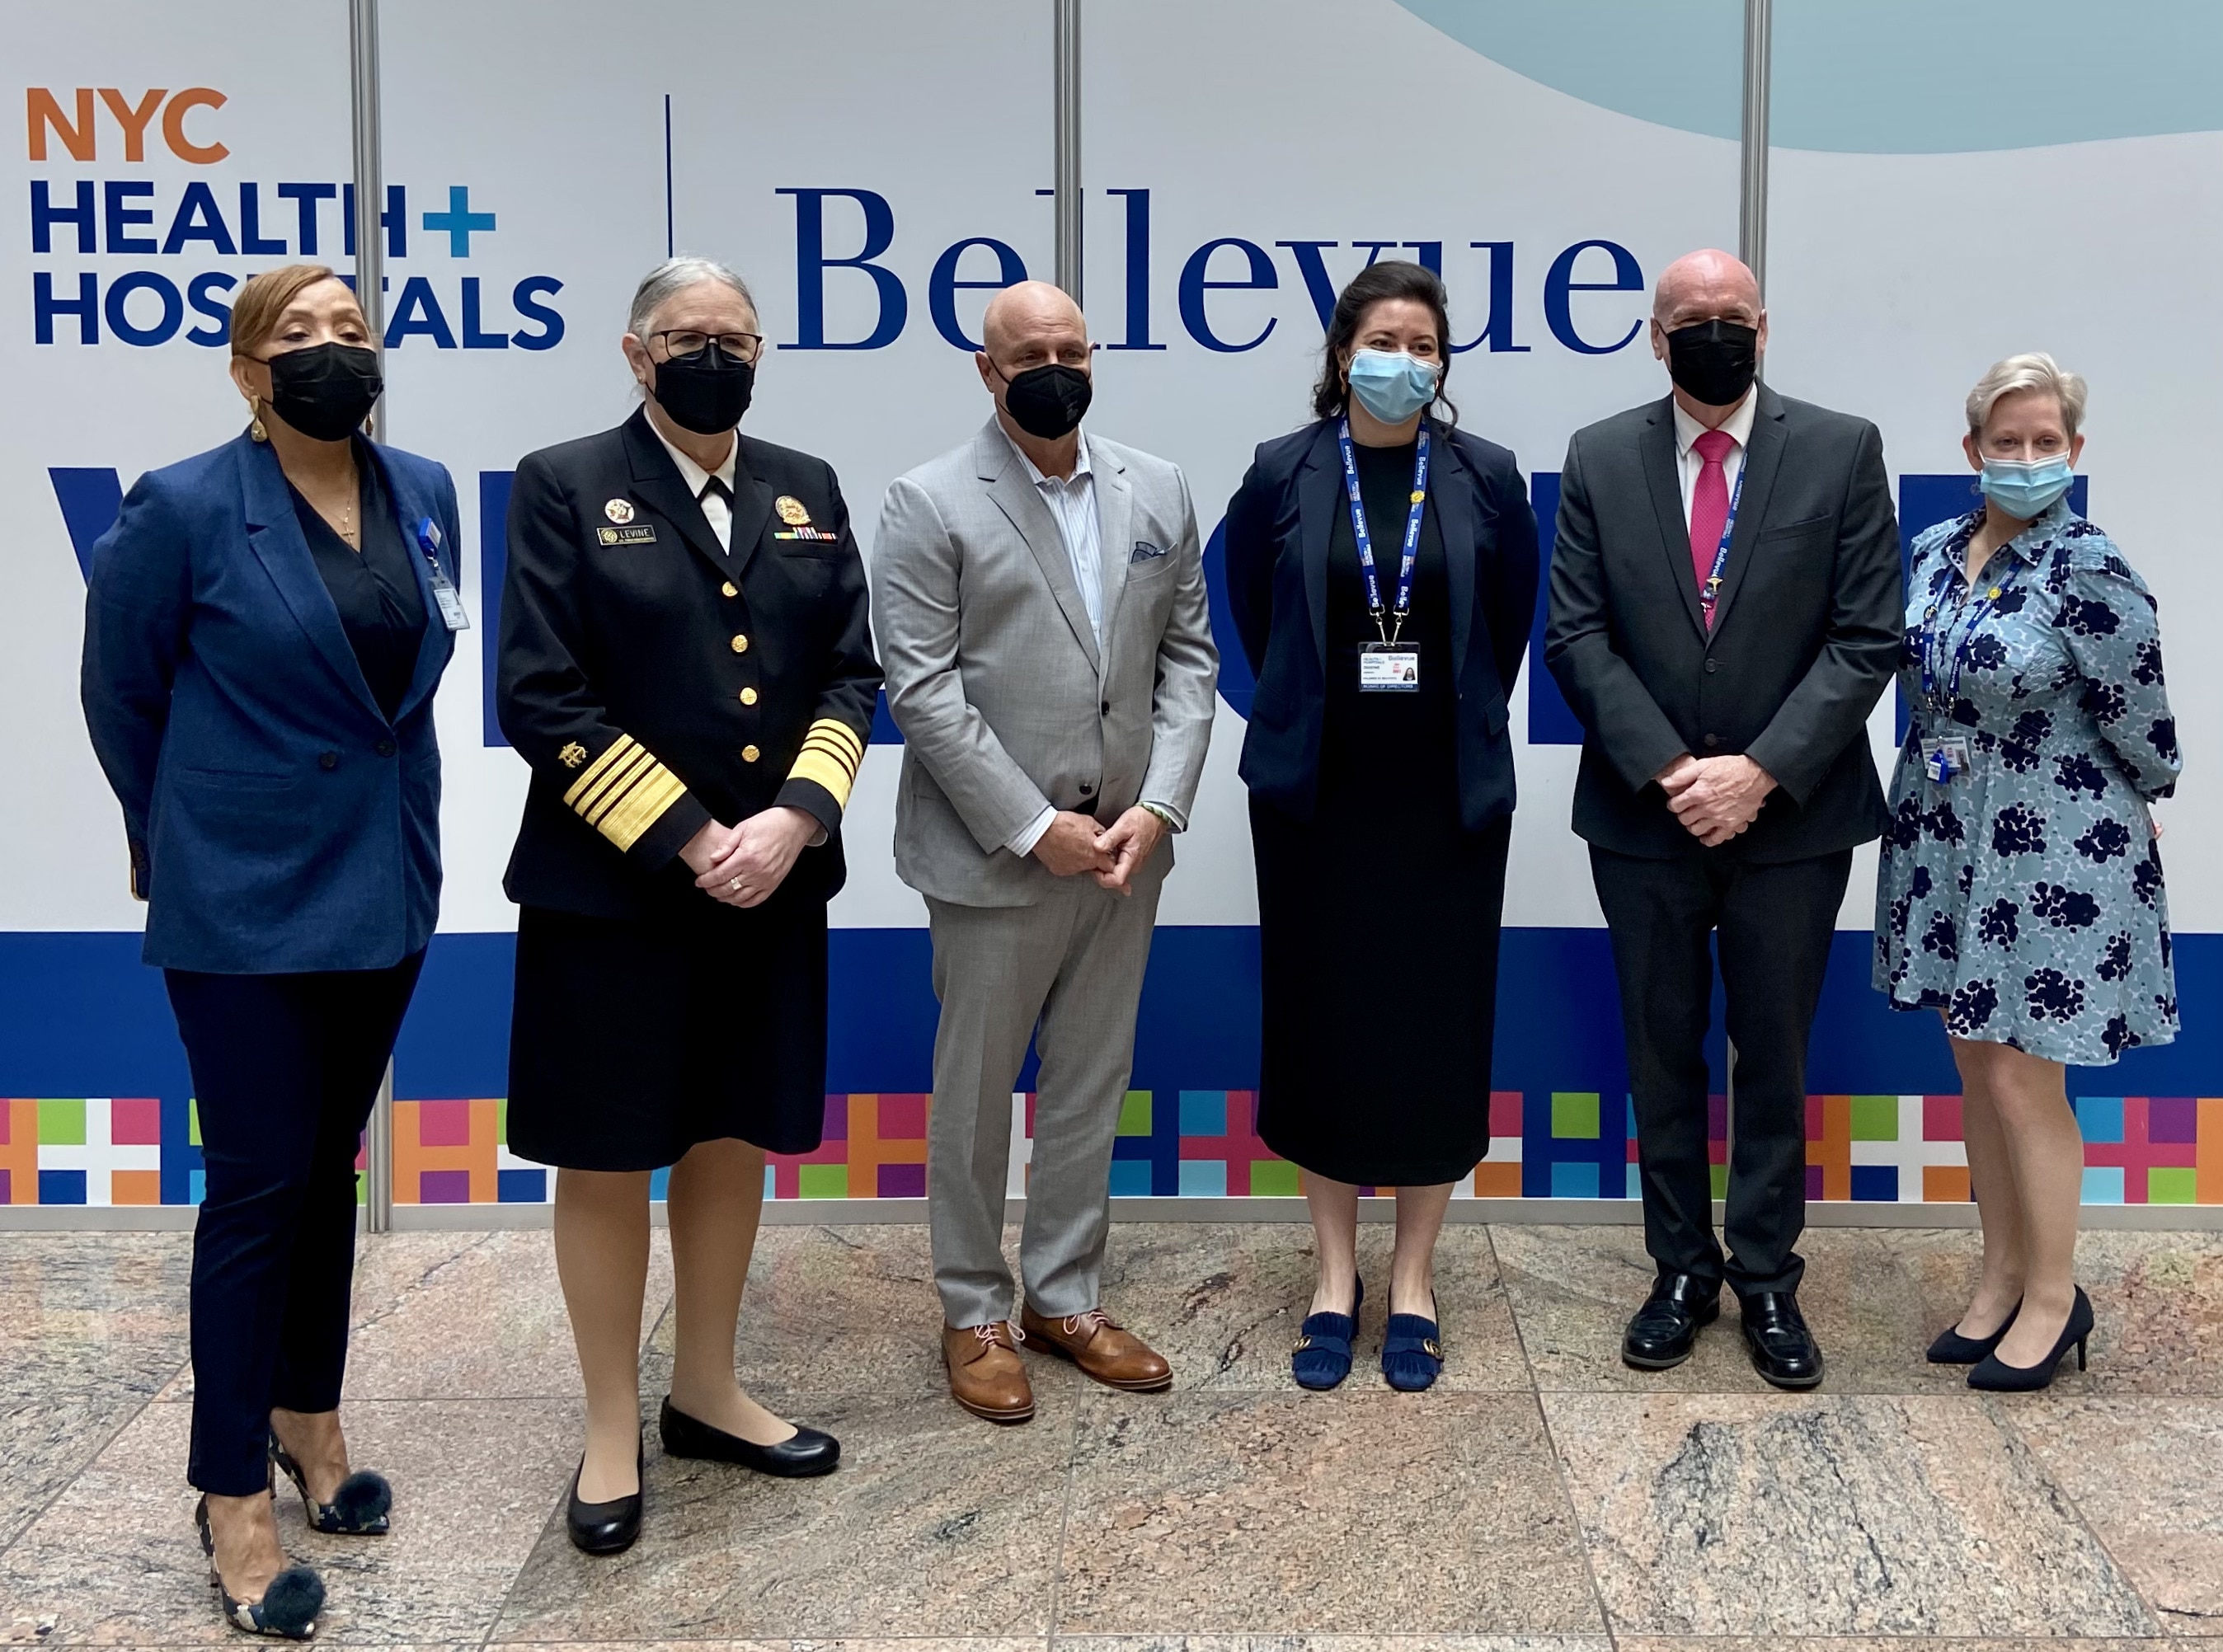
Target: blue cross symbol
[458,220]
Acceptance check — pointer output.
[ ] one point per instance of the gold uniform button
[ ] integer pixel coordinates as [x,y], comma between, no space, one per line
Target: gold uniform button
[740,644]
[729,589]
[748,696]
[749,754]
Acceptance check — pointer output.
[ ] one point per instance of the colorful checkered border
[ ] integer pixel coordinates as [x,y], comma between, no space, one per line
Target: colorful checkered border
[1193,1143]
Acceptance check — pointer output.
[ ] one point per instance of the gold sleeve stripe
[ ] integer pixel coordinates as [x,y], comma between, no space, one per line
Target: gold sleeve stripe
[642,806]
[815,765]
[628,774]
[832,748]
[599,767]
[843,737]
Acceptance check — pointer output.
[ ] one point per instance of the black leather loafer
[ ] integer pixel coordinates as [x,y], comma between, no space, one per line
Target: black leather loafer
[1666,1329]
[1783,1350]
[607,1528]
[808,1453]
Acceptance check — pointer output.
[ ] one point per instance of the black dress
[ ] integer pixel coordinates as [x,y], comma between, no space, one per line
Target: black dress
[1379,919]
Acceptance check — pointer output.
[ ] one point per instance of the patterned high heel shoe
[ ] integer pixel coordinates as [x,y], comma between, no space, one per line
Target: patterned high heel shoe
[288,1608]
[358,1509]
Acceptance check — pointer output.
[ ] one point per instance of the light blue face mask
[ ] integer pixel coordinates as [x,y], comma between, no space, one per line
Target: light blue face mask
[1392,386]
[2026,489]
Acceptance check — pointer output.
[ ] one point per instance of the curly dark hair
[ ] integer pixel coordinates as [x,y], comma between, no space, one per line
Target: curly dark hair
[1392,278]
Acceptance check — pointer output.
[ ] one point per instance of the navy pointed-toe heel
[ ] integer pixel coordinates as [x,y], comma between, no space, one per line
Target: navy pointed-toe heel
[1951,1348]
[1321,1358]
[1412,1353]
[1996,1376]
[288,1608]
[358,1509]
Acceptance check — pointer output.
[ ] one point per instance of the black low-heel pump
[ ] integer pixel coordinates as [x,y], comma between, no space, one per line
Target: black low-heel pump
[1951,1348]
[288,1608]
[607,1528]
[1996,1376]
[358,1509]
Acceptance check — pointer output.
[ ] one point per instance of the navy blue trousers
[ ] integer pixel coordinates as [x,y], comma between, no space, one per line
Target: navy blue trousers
[285,1070]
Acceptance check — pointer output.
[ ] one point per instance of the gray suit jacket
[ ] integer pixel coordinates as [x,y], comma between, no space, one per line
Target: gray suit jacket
[995,678]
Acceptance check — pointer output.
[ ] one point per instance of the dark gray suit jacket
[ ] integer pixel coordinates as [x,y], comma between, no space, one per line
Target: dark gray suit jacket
[1805,636]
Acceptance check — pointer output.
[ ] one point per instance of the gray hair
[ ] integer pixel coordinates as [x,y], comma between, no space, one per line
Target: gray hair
[672,277]
[2037,371]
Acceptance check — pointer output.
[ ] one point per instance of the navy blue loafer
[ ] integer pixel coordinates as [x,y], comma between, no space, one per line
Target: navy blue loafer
[1321,1358]
[1412,1353]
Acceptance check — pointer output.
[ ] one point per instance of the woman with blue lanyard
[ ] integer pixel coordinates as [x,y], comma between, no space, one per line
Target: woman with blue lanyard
[2020,894]
[264,626]
[1382,564]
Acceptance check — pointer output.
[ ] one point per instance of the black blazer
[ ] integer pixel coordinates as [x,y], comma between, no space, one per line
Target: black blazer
[654,682]
[1278,528]
[1805,636]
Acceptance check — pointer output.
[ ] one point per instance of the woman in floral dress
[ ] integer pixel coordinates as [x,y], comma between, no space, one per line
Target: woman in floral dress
[2020,894]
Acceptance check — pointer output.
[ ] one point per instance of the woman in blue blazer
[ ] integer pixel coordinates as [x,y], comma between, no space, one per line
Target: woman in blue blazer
[1381,565]
[265,625]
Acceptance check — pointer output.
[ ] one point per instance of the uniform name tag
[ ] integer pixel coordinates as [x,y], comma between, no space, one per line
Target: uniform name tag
[637,533]
[1945,761]
[1389,667]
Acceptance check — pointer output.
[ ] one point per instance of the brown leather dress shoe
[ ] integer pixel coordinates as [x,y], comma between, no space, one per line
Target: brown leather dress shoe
[985,1375]
[1115,1358]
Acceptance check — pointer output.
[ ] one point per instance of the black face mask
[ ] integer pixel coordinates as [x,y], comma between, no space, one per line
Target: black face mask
[1713,361]
[706,392]
[326,391]
[1047,401]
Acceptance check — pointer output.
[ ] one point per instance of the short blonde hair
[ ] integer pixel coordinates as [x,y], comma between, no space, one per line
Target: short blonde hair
[2036,371]
[263,300]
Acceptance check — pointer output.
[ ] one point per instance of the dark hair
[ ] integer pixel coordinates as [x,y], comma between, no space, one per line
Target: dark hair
[1392,278]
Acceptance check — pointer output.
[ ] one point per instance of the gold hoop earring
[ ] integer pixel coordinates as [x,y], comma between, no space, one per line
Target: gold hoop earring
[255,423]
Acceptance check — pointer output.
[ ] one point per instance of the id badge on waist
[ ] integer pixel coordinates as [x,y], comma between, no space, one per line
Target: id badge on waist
[1944,761]
[1389,667]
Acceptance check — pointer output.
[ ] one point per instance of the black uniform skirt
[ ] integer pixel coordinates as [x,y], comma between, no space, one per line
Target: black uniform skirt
[631,1040]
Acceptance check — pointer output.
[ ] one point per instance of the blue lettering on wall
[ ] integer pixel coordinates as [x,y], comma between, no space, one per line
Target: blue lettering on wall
[811,264]
[1560,282]
[943,287]
[1194,285]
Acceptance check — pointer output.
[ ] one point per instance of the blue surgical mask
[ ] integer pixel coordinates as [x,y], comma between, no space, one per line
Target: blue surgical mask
[2026,489]
[1392,386]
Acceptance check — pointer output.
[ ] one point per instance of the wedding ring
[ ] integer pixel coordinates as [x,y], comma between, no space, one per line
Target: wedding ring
[735,886]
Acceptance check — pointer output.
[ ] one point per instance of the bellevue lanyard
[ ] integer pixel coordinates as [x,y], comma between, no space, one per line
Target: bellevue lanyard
[1709,592]
[1365,540]
[1977,612]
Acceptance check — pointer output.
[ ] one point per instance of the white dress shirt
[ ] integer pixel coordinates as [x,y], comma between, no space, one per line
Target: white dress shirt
[1737,427]
[717,507]
[1071,501]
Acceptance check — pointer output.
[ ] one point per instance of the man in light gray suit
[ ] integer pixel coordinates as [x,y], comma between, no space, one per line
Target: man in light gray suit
[1039,599]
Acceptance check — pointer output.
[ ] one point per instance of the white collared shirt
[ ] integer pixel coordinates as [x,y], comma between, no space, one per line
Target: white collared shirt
[1737,427]
[717,507]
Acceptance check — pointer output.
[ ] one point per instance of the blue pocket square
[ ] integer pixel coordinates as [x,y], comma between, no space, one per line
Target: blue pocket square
[1145,551]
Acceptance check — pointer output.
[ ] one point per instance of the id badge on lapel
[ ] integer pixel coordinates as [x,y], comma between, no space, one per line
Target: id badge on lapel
[1389,667]
[444,594]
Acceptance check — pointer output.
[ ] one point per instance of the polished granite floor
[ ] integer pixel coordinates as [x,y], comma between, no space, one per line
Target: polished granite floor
[1542,1499]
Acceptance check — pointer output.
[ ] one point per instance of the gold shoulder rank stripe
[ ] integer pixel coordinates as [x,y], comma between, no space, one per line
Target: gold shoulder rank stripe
[623,792]
[831,752]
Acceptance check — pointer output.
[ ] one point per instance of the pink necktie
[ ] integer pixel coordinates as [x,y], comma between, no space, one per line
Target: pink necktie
[1710,504]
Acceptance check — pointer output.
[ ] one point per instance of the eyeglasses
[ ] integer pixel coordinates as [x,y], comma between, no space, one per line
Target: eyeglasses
[685,346]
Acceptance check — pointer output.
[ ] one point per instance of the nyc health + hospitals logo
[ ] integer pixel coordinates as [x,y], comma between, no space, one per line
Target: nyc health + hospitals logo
[198,237]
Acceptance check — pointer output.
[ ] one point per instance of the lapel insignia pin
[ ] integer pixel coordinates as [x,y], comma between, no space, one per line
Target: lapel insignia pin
[572,754]
[618,511]
[790,510]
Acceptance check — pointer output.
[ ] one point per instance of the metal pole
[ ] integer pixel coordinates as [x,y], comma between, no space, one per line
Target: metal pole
[370,180]
[1752,195]
[1068,145]
[370,291]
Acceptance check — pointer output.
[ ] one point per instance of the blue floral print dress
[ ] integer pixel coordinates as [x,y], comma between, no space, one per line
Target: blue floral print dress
[2024,896]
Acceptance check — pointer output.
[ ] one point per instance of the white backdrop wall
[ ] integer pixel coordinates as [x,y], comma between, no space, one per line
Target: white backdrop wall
[868,164]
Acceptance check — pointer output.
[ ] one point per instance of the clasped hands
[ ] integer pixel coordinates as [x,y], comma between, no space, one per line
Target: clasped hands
[742,865]
[1074,843]
[1714,798]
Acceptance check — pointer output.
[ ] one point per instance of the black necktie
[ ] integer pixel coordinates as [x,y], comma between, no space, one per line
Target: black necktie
[716,485]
